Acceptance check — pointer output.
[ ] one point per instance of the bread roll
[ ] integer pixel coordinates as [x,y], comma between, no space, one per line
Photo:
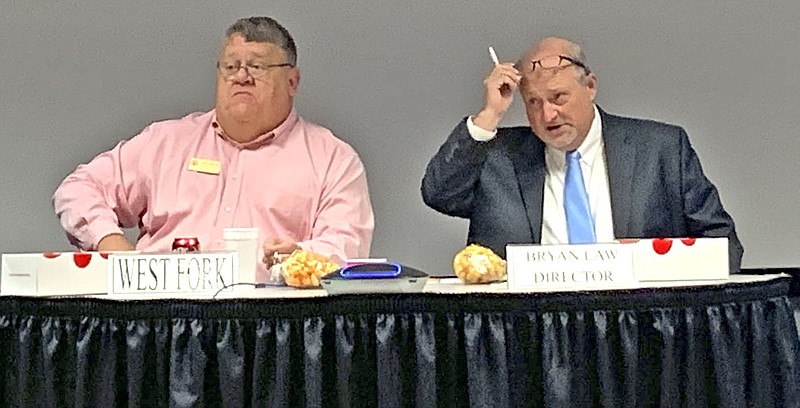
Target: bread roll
[478,264]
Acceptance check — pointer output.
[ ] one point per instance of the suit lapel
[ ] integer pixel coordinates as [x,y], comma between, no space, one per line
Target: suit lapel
[620,158]
[527,154]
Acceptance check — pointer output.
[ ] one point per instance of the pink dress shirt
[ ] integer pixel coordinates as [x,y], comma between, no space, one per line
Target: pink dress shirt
[298,181]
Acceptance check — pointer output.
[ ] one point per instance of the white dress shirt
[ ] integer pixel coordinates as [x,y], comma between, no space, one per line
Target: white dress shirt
[595,175]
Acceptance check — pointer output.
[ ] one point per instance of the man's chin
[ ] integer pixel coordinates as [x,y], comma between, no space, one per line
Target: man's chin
[564,142]
[242,113]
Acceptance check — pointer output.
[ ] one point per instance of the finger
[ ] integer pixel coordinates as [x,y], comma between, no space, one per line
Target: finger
[511,77]
[504,69]
[509,86]
[270,242]
[282,246]
[500,72]
[271,258]
[509,69]
[503,82]
[278,245]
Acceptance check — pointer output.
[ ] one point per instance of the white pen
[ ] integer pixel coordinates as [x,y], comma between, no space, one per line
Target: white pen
[493,55]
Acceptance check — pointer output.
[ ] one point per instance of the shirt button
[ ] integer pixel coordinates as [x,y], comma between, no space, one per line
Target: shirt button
[228,209]
[235,177]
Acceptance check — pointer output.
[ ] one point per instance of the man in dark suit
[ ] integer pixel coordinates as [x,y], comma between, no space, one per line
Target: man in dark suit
[638,178]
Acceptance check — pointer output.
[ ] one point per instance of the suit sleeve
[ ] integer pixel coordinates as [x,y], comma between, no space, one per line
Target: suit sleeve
[452,175]
[703,210]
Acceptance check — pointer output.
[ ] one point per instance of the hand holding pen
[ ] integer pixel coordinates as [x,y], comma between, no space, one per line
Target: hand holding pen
[500,85]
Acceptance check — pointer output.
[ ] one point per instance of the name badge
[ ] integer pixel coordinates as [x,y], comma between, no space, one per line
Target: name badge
[204,166]
[569,267]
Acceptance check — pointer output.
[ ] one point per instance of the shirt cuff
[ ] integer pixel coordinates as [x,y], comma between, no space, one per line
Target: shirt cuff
[98,231]
[478,133]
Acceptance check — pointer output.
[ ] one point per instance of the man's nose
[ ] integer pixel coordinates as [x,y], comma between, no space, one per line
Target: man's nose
[242,76]
[549,112]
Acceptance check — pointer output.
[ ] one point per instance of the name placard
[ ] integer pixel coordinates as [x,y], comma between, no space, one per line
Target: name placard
[553,267]
[203,273]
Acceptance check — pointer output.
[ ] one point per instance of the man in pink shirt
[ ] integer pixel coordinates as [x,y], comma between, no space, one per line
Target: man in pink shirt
[250,162]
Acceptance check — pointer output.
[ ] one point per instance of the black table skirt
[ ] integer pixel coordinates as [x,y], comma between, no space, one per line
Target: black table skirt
[733,346]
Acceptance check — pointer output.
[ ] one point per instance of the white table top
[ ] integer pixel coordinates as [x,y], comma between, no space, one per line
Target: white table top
[454,286]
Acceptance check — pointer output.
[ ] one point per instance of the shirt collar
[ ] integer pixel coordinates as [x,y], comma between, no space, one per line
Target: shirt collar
[588,149]
[283,129]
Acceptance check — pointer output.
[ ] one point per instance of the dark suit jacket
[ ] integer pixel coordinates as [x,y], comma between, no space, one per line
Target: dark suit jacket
[656,183]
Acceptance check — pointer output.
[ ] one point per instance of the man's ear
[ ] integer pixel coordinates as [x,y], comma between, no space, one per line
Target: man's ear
[294,81]
[591,84]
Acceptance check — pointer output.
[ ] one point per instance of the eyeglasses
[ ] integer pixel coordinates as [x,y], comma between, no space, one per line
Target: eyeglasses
[550,63]
[228,69]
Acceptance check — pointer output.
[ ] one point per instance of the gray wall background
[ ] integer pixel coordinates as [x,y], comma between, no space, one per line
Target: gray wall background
[392,79]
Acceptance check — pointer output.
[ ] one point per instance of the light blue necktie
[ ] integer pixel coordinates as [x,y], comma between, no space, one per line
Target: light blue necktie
[580,225]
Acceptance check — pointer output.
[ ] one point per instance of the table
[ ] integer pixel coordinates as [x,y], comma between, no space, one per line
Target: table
[733,343]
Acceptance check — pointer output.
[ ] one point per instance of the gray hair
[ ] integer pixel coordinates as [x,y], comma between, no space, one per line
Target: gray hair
[575,52]
[265,30]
